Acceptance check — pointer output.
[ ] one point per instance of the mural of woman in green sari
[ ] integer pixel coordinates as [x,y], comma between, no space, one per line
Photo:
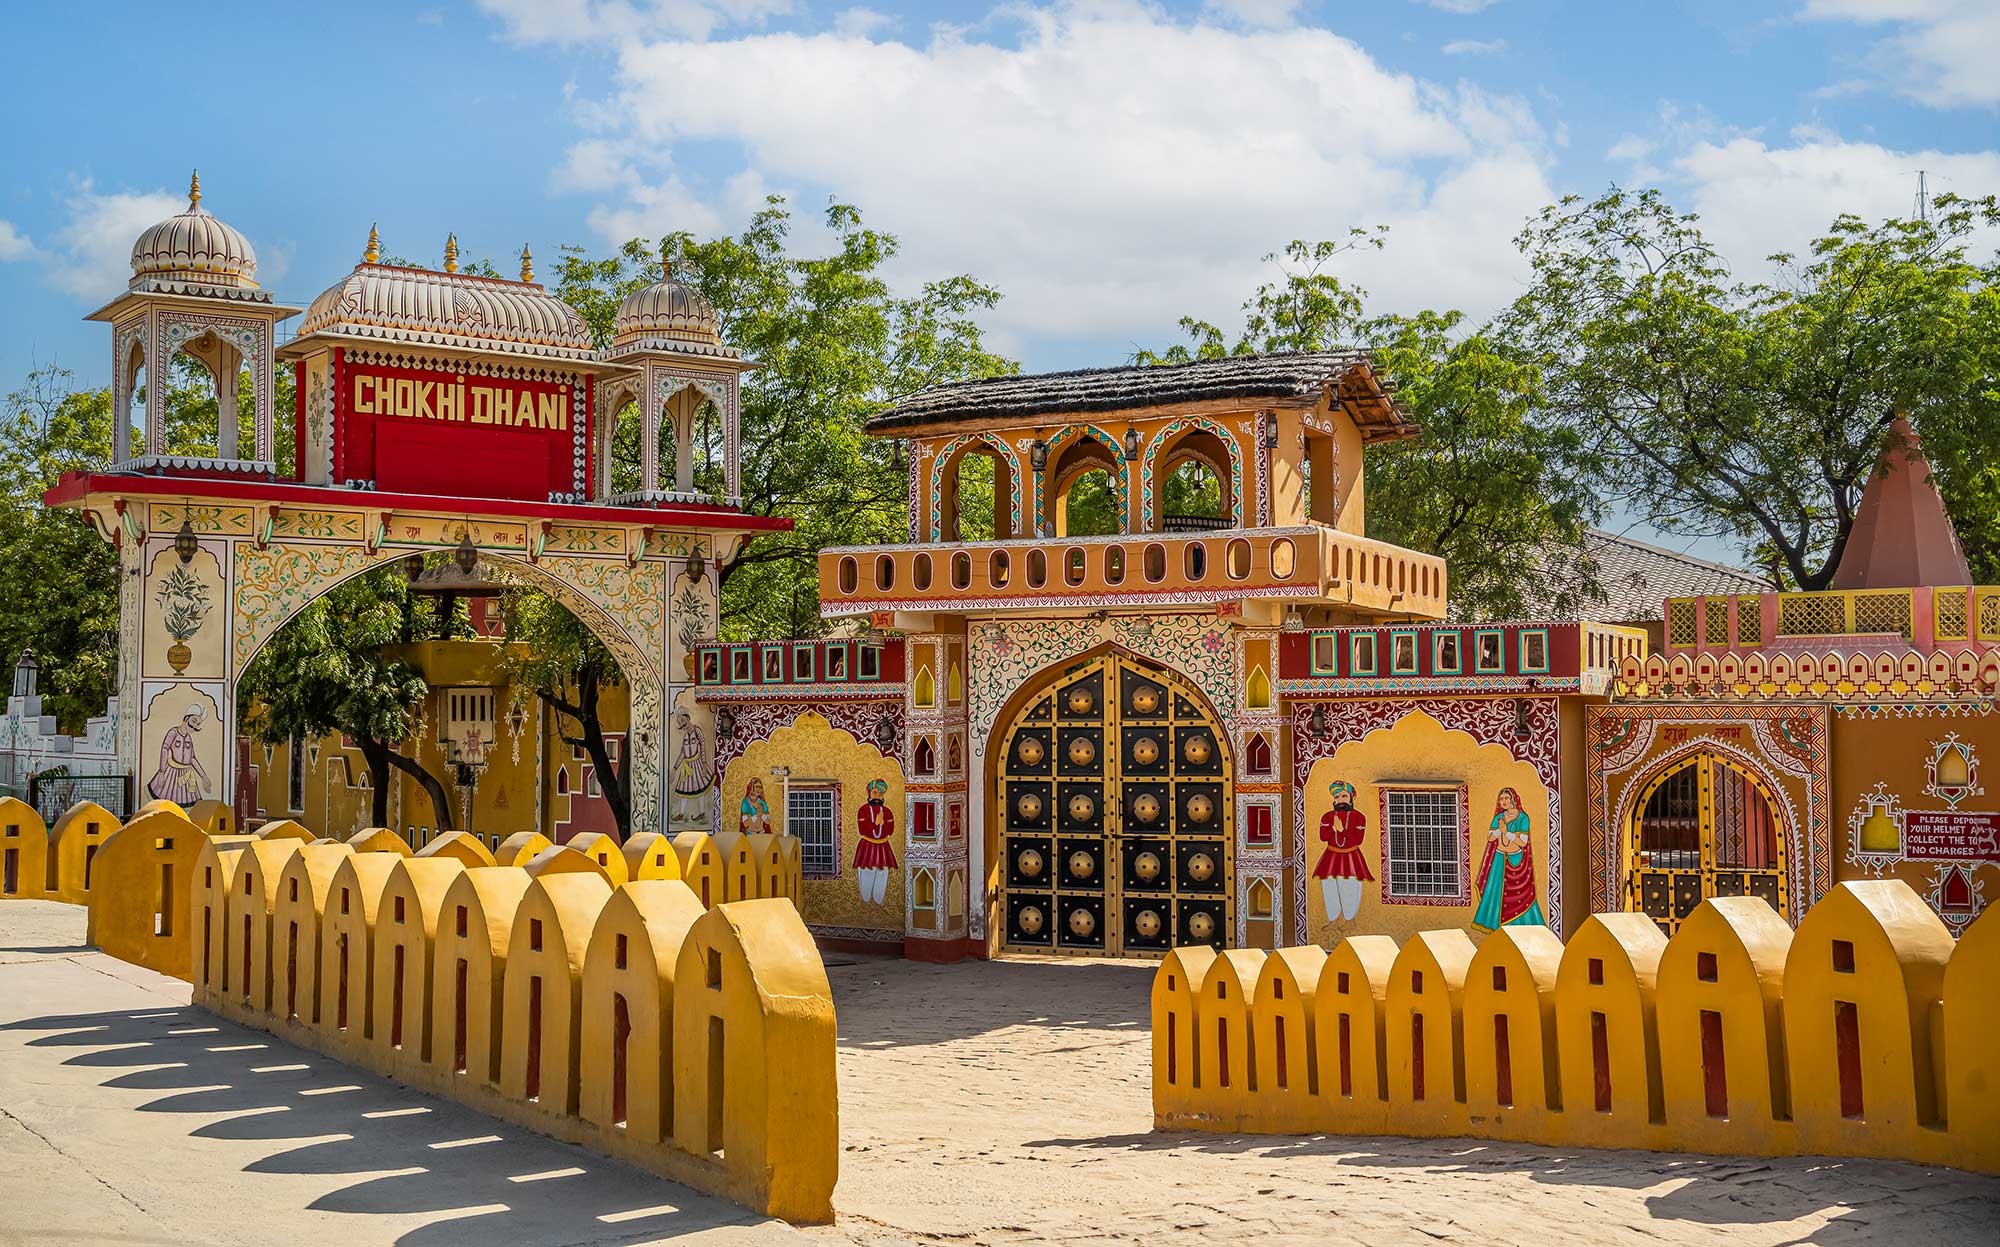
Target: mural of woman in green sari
[1507,872]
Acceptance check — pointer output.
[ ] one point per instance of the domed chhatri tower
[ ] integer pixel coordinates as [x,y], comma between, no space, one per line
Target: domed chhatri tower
[672,337]
[194,292]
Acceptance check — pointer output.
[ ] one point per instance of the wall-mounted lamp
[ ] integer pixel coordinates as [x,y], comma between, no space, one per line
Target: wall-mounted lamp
[1521,731]
[185,542]
[1038,455]
[1131,443]
[885,734]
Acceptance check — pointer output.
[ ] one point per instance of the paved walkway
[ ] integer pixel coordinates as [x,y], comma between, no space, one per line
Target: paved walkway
[994,1103]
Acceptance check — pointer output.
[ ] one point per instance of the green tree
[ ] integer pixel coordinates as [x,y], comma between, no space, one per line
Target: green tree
[1755,411]
[552,653]
[1484,485]
[836,346]
[328,670]
[57,576]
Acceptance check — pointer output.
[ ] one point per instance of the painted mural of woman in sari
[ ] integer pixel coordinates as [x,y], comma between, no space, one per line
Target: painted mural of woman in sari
[1507,872]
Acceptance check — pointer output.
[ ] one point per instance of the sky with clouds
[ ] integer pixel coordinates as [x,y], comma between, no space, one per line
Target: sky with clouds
[1110,165]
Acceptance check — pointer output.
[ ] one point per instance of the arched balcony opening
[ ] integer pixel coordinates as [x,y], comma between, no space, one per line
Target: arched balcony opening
[621,454]
[1084,498]
[1194,485]
[976,494]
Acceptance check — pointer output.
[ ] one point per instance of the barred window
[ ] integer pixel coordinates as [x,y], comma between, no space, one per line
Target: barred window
[812,814]
[1423,834]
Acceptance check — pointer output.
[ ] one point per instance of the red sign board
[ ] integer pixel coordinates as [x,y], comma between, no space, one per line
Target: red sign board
[461,434]
[1951,836]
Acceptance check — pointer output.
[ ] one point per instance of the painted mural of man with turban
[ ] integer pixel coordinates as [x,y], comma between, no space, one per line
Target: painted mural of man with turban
[1342,869]
[180,778]
[874,857]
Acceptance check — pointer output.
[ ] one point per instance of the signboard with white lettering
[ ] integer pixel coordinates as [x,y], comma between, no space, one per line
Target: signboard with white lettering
[463,434]
[1951,836]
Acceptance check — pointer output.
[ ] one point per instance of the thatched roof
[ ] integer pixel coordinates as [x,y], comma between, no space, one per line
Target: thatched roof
[1280,378]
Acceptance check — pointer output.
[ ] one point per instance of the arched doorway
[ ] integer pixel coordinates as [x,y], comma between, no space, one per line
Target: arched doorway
[1115,814]
[1705,826]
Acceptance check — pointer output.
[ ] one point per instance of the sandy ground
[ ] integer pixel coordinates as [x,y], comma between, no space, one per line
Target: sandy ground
[989,1103]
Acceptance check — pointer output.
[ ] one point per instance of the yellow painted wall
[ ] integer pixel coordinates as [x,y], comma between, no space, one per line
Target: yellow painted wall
[542,1021]
[626,1069]
[405,947]
[1866,1033]
[295,931]
[476,928]
[73,845]
[1418,751]
[1892,751]
[24,850]
[816,751]
[142,882]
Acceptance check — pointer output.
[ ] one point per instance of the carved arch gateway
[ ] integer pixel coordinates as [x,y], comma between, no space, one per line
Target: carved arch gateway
[623,605]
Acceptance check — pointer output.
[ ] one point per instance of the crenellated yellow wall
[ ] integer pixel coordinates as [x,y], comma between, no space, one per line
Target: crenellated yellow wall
[536,992]
[1864,1033]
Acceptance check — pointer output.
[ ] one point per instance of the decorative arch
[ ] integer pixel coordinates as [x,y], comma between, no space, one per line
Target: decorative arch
[1164,441]
[1121,481]
[611,399]
[623,606]
[946,461]
[1793,848]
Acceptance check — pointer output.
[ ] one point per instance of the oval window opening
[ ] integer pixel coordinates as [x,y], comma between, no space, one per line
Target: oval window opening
[885,572]
[1156,563]
[920,572]
[1283,558]
[1197,561]
[1239,559]
[961,570]
[850,574]
[999,570]
[1038,569]
[1114,565]
[1073,567]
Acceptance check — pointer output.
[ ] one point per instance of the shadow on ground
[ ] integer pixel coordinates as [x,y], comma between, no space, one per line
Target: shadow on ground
[411,1153]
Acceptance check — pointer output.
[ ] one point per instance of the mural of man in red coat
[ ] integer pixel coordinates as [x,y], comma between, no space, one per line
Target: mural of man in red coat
[1342,869]
[874,856]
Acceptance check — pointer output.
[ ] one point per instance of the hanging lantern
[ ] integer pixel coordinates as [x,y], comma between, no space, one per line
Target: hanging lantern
[1131,443]
[694,565]
[885,734]
[1038,456]
[185,542]
[467,555]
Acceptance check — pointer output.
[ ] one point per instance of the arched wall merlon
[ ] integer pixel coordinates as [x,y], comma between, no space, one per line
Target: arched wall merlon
[1865,1033]
[141,885]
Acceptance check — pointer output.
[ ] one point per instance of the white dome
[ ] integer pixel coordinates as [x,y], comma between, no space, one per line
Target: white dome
[194,248]
[420,307]
[666,309]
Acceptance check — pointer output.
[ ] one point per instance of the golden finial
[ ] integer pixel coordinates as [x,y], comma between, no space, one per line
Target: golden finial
[451,253]
[527,263]
[194,191]
[666,259]
[373,254]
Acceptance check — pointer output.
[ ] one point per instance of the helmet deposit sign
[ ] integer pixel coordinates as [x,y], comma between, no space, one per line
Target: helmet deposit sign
[461,433]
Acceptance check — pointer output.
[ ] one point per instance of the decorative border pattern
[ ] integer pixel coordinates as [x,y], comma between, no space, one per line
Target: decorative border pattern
[1488,721]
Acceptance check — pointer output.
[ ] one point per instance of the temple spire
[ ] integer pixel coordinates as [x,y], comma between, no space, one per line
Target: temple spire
[1902,538]
[451,253]
[527,263]
[194,191]
[372,254]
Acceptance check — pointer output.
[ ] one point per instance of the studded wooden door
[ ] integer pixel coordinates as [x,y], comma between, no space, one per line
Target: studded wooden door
[1115,816]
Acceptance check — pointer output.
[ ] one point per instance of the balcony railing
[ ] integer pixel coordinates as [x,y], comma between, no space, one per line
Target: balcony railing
[1923,617]
[1309,564]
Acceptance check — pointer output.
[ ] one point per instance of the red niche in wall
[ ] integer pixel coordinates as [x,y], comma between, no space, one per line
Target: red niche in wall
[460,434]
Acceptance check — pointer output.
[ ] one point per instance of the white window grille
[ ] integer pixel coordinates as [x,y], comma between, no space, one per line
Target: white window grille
[812,814]
[1424,835]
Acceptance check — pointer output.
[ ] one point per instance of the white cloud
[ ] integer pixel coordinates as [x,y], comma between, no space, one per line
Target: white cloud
[1459,6]
[93,255]
[1755,200]
[583,21]
[1474,47]
[1942,53]
[1084,168]
[14,245]
[1264,14]
[860,23]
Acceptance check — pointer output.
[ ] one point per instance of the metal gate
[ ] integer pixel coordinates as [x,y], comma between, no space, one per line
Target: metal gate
[1115,814]
[1704,829]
